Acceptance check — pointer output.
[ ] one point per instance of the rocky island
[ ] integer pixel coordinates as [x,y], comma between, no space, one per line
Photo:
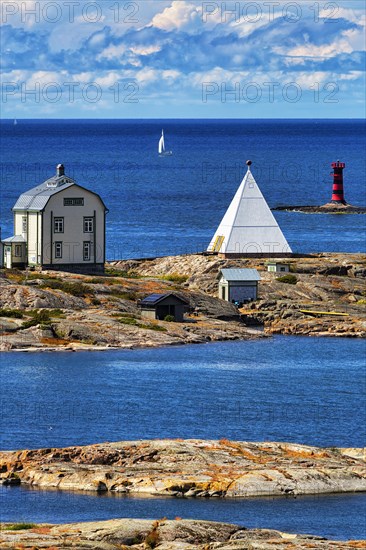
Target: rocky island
[190,468]
[323,295]
[180,468]
[161,534]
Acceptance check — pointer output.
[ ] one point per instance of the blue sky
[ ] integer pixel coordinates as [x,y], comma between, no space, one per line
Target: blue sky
[174,59]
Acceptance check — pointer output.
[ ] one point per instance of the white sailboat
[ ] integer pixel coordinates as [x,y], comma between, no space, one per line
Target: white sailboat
[15,122]
[161,147]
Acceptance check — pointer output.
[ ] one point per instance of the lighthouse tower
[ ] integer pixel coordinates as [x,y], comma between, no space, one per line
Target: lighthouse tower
[338,193]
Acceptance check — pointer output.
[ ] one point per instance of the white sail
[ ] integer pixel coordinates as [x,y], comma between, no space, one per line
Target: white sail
[161,143]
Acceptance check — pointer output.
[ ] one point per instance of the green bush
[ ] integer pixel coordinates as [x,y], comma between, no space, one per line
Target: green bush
[15,313]
[127,321]
[175,278]
[20,526]
[169,318]
[288,279]
[39,317]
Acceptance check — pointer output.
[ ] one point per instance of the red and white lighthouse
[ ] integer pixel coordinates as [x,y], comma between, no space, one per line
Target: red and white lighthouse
[338,193]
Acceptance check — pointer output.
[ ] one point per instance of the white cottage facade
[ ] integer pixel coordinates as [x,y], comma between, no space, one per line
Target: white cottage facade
[58,225]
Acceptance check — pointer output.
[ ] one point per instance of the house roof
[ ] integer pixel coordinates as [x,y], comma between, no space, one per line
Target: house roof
[14,239]
[248,226]
[154,299]
[35,199]
[240,274]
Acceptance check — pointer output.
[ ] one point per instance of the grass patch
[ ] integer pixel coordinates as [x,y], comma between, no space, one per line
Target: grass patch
[20,526]
[124,295]
[112,272]
[41,317]
[132,321]
[361,303]
[158,328]
[14,313]
[75,289]
[128,321]
[288,279]
[99,281]
[41,277]
[175,278]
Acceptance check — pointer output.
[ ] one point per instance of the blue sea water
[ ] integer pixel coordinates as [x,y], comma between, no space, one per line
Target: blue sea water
[333,516]
[297,389]
[293,389]
[170,205]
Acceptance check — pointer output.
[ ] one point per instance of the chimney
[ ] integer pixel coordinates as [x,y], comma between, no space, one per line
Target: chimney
[60,170]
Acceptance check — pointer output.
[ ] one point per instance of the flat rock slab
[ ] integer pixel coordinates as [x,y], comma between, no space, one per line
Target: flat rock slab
[190,468]
[161,534]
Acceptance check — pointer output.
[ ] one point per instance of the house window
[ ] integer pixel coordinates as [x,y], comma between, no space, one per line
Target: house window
[18,250]
[74,202]
[86,251]
[58,249]
[24,224]
[88,225]
[282,269]
[58,225]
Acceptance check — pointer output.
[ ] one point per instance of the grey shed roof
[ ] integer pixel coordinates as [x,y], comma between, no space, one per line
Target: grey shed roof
[154,299]
[37,197]
[14,239]
[240,274]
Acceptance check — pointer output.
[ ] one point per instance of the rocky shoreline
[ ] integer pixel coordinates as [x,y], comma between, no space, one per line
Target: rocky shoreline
[161,534]
[329,208]
[190,468]
[53,311]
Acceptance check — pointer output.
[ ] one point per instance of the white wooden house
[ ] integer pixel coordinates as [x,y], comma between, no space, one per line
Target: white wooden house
[238,285]
[58,225]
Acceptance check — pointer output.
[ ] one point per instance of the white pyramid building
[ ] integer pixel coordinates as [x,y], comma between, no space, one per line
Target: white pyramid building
[249,227]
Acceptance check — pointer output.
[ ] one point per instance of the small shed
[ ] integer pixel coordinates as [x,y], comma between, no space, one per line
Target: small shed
[158,306]
[238,285]
[278,267]
[15,251]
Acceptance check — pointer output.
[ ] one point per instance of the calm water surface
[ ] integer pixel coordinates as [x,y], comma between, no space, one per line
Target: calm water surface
[334,516]
[299,389]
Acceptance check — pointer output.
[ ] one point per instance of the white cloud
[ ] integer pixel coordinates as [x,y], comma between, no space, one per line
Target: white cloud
[177,16]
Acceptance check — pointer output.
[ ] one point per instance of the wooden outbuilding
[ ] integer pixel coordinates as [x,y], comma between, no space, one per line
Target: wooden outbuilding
[278,267]
[238,285]
[159,306]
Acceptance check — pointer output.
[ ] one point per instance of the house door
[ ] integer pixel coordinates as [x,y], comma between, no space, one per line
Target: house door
[7,257]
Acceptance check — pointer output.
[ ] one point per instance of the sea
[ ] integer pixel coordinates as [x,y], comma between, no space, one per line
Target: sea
[295,389]
[173,204]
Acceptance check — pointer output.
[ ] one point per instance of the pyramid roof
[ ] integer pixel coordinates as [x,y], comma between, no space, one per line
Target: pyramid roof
[248,226]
